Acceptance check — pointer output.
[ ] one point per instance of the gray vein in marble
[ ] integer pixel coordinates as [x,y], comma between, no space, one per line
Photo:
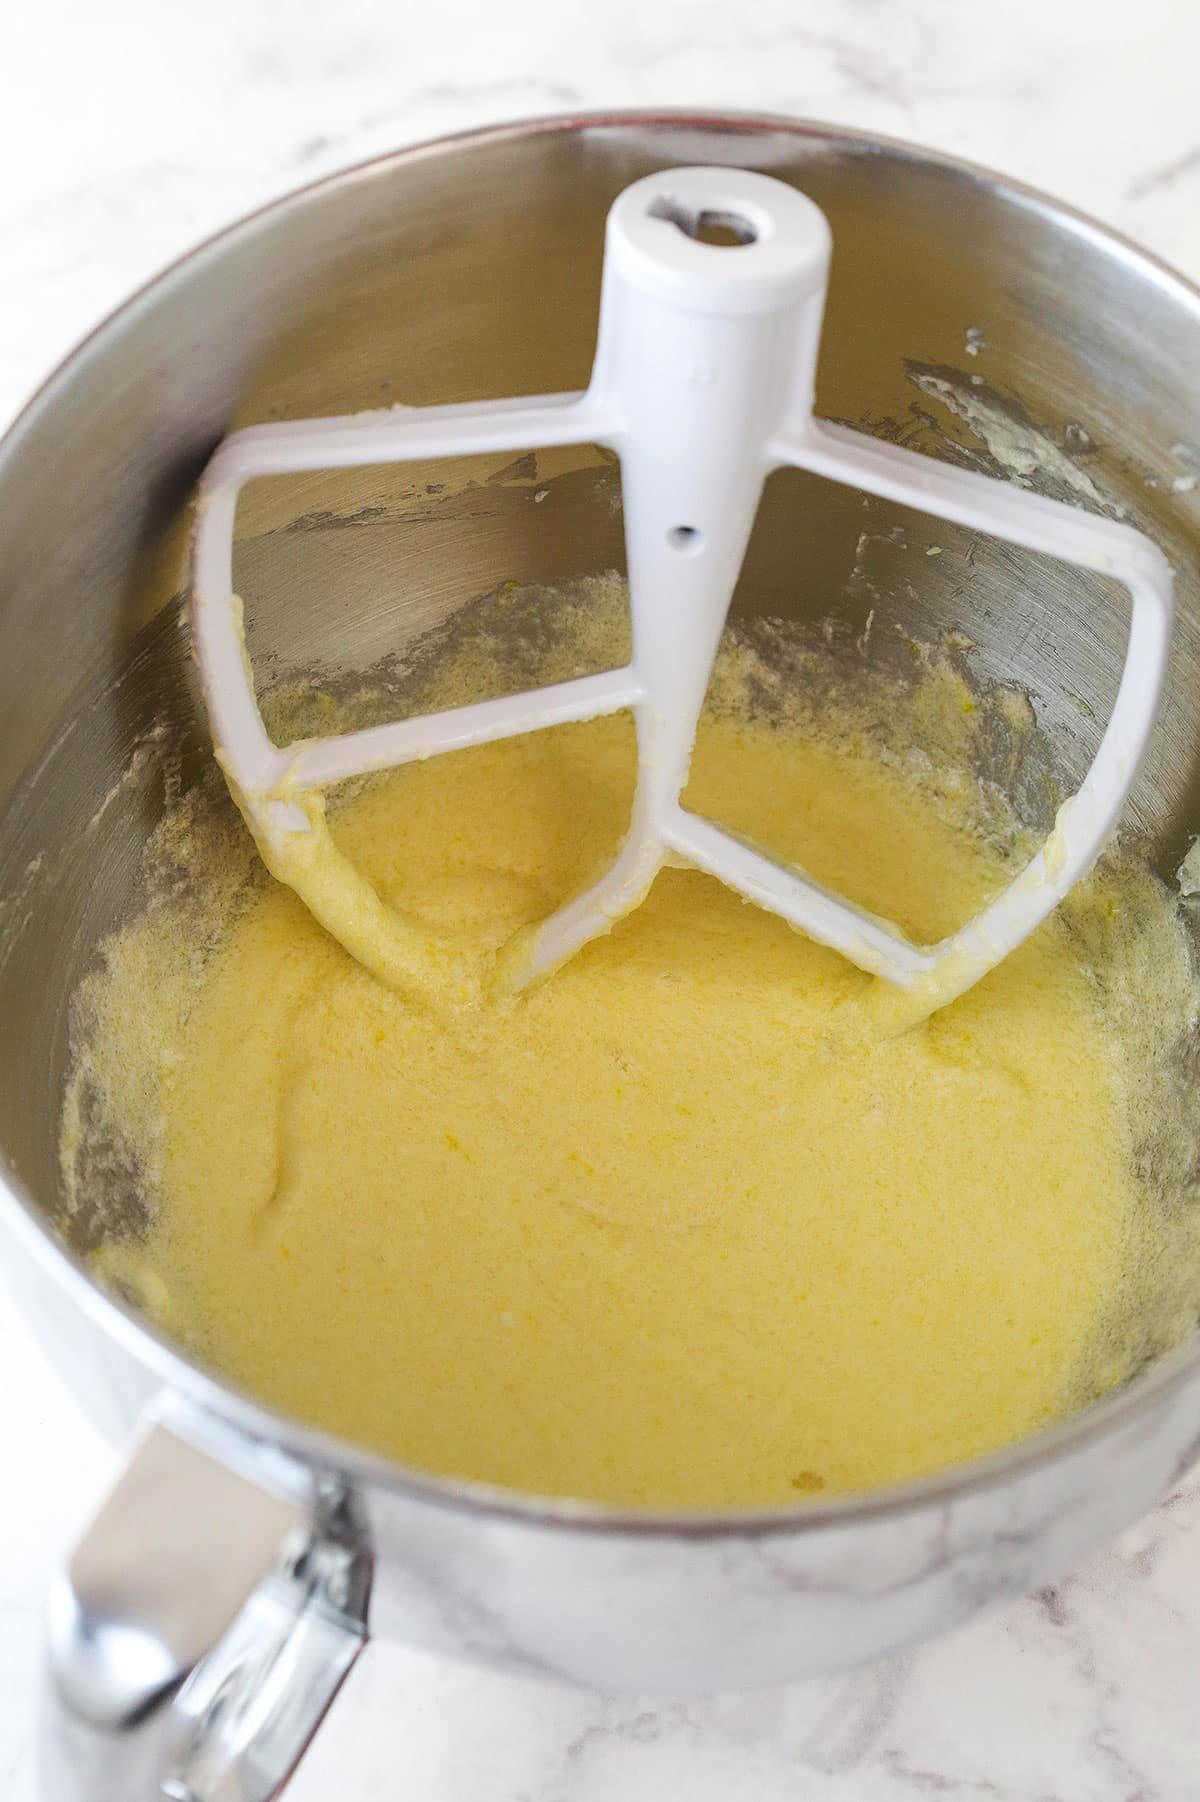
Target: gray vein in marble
[1166,177]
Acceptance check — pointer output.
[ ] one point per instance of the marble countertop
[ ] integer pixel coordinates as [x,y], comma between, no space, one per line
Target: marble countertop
[129,130]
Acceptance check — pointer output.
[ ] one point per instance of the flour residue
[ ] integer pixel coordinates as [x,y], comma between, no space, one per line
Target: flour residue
[1014,442]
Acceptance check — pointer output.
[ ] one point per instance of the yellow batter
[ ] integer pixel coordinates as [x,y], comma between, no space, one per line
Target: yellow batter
[682,1226]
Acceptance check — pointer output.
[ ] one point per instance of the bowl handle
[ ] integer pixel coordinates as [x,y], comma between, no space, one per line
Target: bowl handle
[201,1627]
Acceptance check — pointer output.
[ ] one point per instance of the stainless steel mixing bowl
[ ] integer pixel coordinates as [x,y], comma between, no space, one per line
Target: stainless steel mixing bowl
[967,317]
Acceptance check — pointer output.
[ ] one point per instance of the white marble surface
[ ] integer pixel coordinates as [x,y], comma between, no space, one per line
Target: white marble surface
[130,129]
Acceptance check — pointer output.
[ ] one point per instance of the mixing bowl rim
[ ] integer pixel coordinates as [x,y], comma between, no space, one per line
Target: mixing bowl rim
[223,1401]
